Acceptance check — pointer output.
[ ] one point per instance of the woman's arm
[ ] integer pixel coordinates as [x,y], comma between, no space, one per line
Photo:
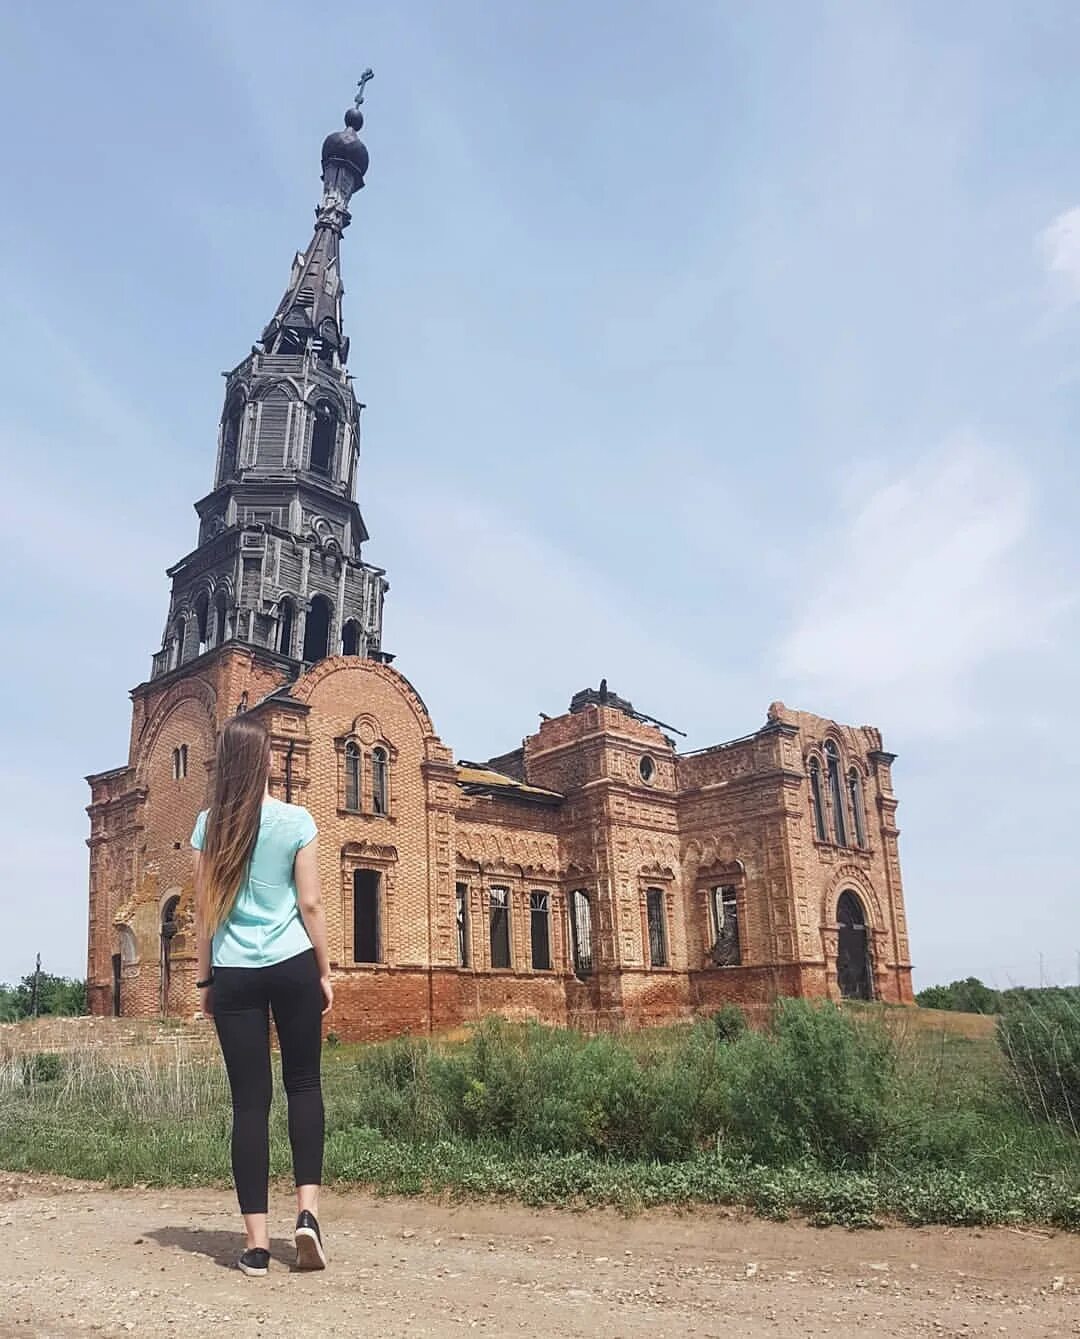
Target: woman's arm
[202,940]
[309,899]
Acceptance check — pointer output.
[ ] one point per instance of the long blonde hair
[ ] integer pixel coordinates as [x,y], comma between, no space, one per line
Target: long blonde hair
[232,825]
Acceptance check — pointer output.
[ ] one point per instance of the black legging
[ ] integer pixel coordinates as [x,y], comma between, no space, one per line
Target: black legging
[242,996]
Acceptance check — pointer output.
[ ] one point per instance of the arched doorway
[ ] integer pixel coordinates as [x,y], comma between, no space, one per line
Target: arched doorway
[853,973]
[169,929]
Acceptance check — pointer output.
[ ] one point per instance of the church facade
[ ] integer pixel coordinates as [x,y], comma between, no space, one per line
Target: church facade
[593,875]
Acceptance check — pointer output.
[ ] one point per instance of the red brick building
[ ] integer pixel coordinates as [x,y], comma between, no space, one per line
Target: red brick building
[592,875]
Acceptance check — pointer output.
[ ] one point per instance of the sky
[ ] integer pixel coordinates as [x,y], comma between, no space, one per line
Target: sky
[727,351]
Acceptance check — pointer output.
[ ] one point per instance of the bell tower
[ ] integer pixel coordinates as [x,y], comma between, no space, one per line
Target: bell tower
[279,562]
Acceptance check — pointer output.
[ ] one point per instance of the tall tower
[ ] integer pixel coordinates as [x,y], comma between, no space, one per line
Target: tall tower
[278,564]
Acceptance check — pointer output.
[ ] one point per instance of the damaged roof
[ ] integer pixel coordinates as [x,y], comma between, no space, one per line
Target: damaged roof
[476,779]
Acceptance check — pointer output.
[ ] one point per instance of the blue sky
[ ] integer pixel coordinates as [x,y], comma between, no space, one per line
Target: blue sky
[727,351]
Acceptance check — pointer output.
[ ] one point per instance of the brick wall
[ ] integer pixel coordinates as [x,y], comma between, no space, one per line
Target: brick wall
[637,823]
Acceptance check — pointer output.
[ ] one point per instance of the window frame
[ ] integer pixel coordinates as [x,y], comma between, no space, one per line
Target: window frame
[378,877]
[722,895]
[502,891]
[582,950]
[836,789]
[353,761]
[857,800]
[544,914]
[654,897]
[461,919]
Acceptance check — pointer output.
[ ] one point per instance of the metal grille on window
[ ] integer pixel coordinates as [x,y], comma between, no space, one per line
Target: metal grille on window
[352,777]
[817,801]
[461,895]
[654,903]
[725,909]
[540,931]
[581,930]
[836,792]
[380,789]
[500,927]
[858,812]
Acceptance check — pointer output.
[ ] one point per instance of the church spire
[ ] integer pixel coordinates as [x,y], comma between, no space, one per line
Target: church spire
[279,563]
[308,317]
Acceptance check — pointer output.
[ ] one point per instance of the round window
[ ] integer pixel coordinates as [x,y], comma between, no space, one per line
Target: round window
[646,768]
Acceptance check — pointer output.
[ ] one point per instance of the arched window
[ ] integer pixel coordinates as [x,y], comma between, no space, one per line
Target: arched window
[727,951]
[177,653]
[853,974]
[221,618]
[654,914]
[324,438]
[352,777]
[317,631]
[836,792]
[380,781]
[858,811]
[285,628]
[202,620]
[540,931]
[350,638]
[366,919]
[817,801]
[169,930]
[499,899]
[461,914]
[581,931]
[230,437]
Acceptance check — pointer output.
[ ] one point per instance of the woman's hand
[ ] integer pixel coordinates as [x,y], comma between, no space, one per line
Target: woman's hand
[206,1001]
[328,993]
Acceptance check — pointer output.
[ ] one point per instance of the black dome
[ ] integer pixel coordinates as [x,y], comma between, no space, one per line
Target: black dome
[346,146]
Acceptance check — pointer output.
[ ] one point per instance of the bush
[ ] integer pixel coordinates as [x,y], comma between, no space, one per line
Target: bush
[1039,1035]
[729,1022]
[42,1067]
[818,1087]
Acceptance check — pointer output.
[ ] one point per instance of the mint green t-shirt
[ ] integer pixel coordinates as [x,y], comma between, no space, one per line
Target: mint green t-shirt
[264,925]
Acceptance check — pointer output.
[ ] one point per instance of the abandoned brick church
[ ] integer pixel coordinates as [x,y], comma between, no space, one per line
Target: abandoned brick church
[592,875]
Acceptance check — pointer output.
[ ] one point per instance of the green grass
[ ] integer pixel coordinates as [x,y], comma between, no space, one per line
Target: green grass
[829,1116]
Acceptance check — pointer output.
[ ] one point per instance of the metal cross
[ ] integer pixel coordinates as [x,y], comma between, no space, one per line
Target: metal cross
[368,74]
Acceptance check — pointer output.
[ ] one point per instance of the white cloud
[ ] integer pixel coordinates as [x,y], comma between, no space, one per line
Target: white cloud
[1059,246]
[927,578]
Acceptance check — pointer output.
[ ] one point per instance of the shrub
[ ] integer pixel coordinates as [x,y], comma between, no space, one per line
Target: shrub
[42,1067]
[729,1022]
[818,1087]
[1039,1035]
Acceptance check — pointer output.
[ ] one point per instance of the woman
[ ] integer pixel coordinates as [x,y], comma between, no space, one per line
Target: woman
[262,947]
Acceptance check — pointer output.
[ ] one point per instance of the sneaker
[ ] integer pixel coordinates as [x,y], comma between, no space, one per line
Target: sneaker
[309,1247]
[255,1261]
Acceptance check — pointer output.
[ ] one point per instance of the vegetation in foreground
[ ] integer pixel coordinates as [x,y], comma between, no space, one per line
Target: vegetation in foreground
[828,1115]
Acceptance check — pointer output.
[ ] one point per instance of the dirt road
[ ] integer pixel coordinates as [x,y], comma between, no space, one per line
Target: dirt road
[80,1260]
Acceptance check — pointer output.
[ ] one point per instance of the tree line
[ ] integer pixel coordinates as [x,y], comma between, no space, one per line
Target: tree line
[43,994]
[971,996]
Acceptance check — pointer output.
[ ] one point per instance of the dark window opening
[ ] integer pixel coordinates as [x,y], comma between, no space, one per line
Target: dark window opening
[461,913]
[817,801]
[581,931]
[350,638]
[323,438]
[858,812]
[177,657]
[836,793]
[221,619]
[380,782]
[285,628]
[117,973]
[654,907]
[540,931]
[853,974]
[366,915]
[725,913]
[231,438]
[317,630]
[180,762]
[352,777]
[202,621]
[500,927]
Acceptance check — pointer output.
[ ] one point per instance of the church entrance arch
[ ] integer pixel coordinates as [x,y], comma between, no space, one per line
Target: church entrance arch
[853,974]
